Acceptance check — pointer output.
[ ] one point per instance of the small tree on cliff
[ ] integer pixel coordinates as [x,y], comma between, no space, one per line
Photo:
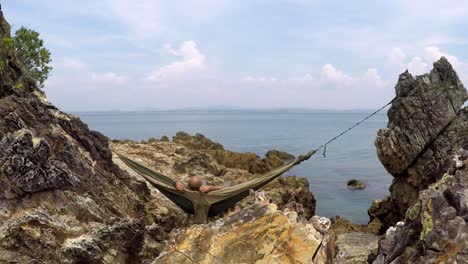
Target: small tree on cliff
[31,51]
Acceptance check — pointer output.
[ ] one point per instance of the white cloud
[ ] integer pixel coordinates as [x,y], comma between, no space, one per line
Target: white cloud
[417,66]
[192,61]
[328,88]
[373,77]
[435,54]
[331,75]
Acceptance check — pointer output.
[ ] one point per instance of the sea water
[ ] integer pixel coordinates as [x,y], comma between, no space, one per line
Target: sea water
[352,156]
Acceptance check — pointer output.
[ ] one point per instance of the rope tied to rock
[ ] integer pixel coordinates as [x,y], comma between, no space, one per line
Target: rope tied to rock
[324,146]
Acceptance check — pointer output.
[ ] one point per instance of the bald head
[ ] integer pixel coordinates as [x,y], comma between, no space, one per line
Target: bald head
[194,183]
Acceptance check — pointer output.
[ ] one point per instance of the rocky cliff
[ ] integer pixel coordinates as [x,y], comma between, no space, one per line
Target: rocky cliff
[425,216]
[62,199]
[426,127]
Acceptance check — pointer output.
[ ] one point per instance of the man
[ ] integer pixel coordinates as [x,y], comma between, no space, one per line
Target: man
[196,183]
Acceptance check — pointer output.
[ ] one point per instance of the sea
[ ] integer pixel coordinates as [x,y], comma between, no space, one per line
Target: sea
[352,156]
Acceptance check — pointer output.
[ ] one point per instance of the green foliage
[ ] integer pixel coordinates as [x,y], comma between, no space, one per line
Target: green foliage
[7,43]
[31,51]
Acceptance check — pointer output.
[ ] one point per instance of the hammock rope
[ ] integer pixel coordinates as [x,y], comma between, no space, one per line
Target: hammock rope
[324,146]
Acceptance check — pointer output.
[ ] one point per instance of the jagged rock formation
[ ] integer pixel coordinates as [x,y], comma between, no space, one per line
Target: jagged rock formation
[435,228]
[426,127]
[62,199]
[179,161]
[256,234]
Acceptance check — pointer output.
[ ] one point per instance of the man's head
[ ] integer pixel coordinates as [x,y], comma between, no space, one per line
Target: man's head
[194,183]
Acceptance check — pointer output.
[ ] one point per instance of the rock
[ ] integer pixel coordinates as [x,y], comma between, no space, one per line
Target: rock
[426,129]
[199,163]
[435,228]
[425,105]
[245,161]
[197,142]
[292,189]
[355,247]
[341,225]
[356,185]
[257,234]
[284,156]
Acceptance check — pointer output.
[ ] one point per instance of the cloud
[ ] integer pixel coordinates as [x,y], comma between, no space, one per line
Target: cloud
[417,66]
[422,61]
[327,88]
[331,75]
[192,61]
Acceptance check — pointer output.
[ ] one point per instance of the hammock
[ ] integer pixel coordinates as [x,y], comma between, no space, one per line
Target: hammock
[204,205]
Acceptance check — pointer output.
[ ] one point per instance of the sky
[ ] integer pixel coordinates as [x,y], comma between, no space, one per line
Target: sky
[153,54]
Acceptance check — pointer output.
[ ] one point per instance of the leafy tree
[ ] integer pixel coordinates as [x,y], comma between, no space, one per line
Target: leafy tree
[31,51]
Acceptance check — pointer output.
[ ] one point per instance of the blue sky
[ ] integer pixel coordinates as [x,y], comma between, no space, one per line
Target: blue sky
[143,54]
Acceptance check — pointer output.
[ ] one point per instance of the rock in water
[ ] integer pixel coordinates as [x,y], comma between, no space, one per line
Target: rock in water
[257,234]
[356,185]
[435,228]
[426,128]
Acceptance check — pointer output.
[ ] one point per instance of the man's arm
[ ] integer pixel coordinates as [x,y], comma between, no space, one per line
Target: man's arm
[210,188]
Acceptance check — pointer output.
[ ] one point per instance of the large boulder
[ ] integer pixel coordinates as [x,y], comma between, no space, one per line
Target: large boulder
[423,108]
[256,234]
[426,127]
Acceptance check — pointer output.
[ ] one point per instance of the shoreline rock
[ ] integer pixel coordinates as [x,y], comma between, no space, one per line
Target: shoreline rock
[425,217]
